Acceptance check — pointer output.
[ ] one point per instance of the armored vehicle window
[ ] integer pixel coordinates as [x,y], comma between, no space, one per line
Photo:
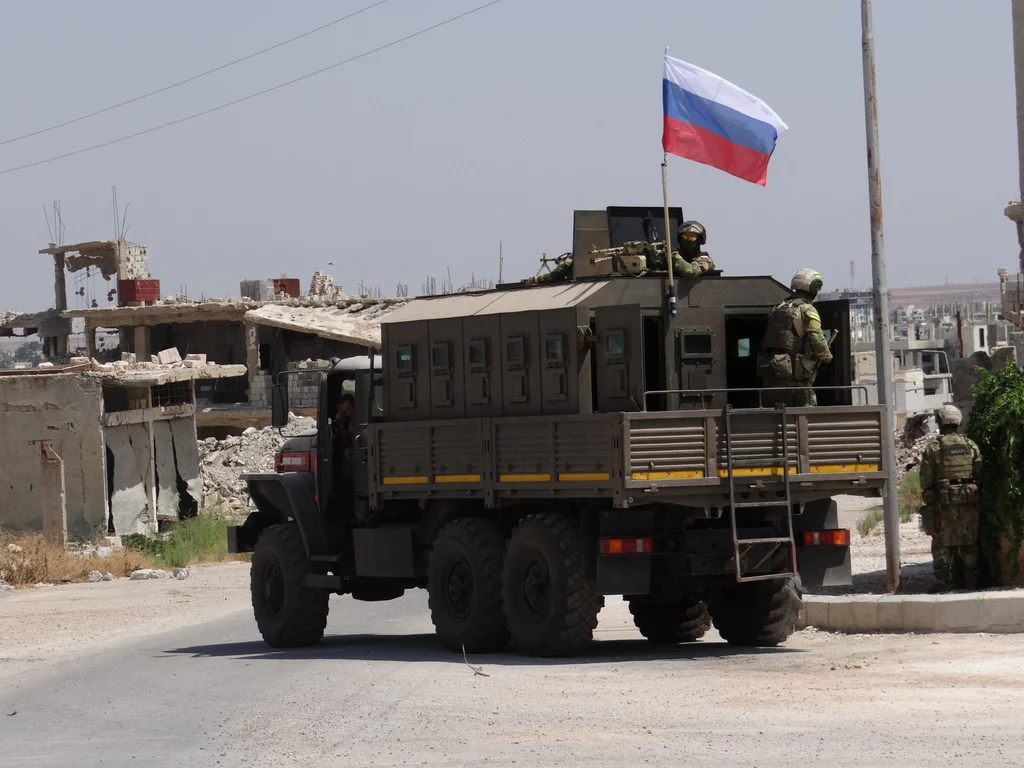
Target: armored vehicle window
[743,348]
[478,353]
[697,344]
[554,348]
[515,350]
[404,360]
[615,345]
[439,355]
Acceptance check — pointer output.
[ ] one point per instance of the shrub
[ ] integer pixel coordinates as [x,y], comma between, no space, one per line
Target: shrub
[870,521]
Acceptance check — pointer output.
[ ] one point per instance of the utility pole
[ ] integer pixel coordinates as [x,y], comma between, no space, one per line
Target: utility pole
[1015,211]
[883,357]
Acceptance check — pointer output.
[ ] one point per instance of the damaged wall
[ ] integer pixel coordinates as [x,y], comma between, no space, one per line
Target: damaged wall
[67,410]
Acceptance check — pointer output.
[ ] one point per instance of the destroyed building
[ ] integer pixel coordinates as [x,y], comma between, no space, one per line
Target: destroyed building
[125,433]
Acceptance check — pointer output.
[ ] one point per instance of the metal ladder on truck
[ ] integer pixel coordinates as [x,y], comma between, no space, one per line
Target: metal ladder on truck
[741,547]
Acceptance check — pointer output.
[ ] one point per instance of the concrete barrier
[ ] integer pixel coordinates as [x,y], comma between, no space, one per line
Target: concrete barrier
[994,612]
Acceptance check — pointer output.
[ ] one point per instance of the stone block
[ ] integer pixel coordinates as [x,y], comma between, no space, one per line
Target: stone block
[1001,612]
[78,360]
[919,613]
[840,616]
[816,611]
[199,357]
[864,613]
[128,357]
[890,613]
[168,356]
[957,613]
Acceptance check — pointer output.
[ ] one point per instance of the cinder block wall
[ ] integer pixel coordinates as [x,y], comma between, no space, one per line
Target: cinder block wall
[67,410]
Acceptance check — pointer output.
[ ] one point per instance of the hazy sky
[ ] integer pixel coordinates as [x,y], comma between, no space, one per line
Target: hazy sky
[422,157]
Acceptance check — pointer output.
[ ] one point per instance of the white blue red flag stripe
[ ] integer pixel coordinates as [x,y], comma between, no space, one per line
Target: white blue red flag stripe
[712,121]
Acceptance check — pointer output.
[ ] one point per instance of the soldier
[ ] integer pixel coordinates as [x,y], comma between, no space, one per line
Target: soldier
[562,271]
[794,345]
[949,470]
[693,262]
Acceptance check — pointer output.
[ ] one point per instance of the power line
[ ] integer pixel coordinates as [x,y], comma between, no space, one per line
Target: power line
[251,95]
[193,78]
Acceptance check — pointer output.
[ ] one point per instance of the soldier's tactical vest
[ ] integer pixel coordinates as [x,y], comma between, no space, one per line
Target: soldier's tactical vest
[956,459]
[782,351]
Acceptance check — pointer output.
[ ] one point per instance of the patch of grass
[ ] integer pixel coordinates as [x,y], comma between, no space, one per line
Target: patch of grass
[30,559]
[871,520]
[201,539]
[910,496]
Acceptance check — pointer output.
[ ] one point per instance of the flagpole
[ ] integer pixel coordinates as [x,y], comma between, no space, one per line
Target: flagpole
[668,238]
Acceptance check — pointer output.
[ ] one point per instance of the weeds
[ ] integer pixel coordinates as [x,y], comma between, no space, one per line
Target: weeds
[870,521]
[910,496]
[200,539]
[28,560]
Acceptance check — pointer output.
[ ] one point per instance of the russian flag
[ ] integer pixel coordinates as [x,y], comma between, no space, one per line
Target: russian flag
[712,121]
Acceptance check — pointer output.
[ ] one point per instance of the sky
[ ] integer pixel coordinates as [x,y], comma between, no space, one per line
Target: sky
[420,159]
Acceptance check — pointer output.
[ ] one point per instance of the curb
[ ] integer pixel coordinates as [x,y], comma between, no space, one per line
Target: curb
[993,612]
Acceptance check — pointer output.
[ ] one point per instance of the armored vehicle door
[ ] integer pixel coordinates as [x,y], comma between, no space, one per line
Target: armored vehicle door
[700,351]
[835,319]
[620,358]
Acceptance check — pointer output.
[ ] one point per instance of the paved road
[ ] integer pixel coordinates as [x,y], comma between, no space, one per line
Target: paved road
[379,692]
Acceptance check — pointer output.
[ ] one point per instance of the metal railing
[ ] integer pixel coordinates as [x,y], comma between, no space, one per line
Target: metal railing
[710,393]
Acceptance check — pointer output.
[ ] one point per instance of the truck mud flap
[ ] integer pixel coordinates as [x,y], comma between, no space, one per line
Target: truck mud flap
[824,566]
[624,574]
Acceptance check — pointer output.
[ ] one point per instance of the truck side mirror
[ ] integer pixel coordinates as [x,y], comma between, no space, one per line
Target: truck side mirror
[279,405]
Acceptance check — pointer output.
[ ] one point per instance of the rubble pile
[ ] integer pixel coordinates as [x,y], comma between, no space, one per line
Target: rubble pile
[223,462]
[910,445]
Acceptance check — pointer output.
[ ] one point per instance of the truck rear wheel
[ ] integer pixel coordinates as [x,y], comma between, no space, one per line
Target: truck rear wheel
[464,585]
[550,606]
[679,621]
[288,613]
[758,613]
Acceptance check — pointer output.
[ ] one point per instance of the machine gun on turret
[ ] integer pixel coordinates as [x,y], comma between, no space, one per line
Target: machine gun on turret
[635,258]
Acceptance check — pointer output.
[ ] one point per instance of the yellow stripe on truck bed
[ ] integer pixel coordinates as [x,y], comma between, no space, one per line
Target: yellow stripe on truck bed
[456,478]
[583,476]
[823,468]
[535,478]
[681,474]
[404,480]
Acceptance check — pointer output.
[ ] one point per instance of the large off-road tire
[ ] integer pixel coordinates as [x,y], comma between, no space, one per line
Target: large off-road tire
[684,620]
[288,613]
[464,585]
[758,613]
[550,606]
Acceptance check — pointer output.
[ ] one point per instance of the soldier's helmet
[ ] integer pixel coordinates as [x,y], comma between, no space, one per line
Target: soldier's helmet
[806,280]
[949,416]
[693,228]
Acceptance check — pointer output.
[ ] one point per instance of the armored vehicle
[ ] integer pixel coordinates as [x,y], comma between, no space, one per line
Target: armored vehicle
[523,452]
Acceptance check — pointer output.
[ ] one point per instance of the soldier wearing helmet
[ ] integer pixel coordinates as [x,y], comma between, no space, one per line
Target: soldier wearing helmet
[794,345]
[949,471]
[690,261]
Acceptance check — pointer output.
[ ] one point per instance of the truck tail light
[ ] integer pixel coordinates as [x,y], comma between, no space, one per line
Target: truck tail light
[835,538]
[291,462]
[625,546]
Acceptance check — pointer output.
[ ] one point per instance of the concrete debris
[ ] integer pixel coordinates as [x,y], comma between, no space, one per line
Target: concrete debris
[4,587]
[108,576]
[322,284]
[168,356]
[223,462]
[910,450]
[250,431]
[180,573]
[95,576]
[128,357]
[14,549]
[148,573]
[197,357]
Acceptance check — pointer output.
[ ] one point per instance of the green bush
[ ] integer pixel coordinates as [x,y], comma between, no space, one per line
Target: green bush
[997,426]
[870,521]
[199,539]
[910,496]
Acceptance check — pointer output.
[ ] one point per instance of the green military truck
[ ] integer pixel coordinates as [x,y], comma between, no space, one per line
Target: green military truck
[520,453]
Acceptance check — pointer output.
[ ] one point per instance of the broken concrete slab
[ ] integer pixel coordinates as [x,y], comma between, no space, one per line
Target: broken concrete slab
[95,576]
[186,454]
[129,504]
[196,357]
[166,473]
[148,573]
[138,434]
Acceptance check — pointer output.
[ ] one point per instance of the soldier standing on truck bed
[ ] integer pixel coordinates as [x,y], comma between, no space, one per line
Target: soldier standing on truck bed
[949,470]
[794,345]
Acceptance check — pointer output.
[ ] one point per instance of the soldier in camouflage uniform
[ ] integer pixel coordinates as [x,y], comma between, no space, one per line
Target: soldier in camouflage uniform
[688,262]
[794,345]
[949,470]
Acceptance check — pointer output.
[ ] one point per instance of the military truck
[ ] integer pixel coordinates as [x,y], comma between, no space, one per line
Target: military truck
[521,453]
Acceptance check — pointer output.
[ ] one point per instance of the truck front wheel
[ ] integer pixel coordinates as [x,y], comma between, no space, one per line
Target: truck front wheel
[288,613]
[684,620]
[464,585]
[759,613]
[550,606]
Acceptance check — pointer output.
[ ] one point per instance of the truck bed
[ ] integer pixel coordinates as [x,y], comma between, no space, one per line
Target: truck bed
[678,457]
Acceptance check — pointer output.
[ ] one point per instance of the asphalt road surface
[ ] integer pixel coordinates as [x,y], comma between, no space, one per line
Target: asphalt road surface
[379,691]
